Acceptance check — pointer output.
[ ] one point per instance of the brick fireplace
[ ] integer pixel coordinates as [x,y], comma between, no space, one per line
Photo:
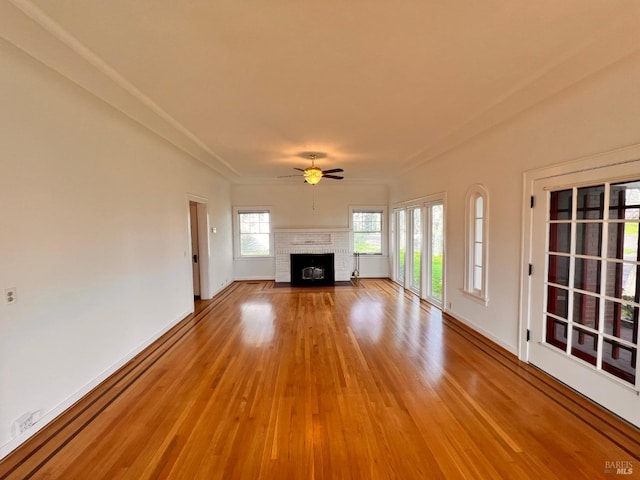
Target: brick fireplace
[313,241]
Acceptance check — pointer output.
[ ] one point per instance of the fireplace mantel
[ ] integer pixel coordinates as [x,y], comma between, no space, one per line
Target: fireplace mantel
[310,230]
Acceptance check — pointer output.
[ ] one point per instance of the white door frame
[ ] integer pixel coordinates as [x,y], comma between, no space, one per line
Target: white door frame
[605,159]
[204,258]
[621,399]
[401,279]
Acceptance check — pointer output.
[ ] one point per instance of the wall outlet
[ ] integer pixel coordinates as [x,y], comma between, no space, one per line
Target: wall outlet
[10,295]
[25,422]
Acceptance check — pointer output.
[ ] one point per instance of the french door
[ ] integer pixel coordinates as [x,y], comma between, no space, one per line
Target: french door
[585,295]
[414,250]
[434,263]
[419,244]
[400,223]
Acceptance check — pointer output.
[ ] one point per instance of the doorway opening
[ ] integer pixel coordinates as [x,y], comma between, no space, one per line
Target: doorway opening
[199,248]
[195,249]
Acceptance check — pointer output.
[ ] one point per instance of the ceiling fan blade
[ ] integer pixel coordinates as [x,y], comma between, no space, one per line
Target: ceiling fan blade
[333,170]
[301,169]
[286,176]
[335,177]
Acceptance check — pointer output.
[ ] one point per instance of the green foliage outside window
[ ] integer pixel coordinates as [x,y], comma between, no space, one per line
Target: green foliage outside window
[367,232]
[254,233]
[436,271]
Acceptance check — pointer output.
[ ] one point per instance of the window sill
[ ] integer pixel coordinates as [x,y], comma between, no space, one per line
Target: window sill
[476,297]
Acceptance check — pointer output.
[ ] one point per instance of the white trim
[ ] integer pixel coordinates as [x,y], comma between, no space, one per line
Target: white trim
[309,230]
[59,50]
[432,200]
[417,289]
[478,328]
[476,298]
[616,156]
[249,278]
[395,264]
[384,232]
[197,198]
[473,193]
[236,231]
[419,201]
[203,242]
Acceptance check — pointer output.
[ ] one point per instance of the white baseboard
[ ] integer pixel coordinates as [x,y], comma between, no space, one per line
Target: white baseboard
[510,348]
[261,278]
[220,289]
[52,414]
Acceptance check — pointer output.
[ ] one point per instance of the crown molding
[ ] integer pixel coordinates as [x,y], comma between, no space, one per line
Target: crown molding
[600,51]
[28,28]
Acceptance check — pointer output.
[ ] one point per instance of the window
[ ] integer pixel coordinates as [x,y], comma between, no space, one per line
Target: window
[254,233]
[367,228]
[593,282]
[476,236]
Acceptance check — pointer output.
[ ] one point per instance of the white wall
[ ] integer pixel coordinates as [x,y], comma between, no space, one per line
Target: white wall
[94,237]
[292,206]
[597,115]
[94,222]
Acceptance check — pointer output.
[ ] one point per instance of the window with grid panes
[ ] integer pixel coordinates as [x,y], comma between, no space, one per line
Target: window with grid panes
[367,231]
[593,276]
[475,282]
[254,231]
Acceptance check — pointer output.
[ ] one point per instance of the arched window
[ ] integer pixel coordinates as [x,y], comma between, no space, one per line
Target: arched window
[477,208]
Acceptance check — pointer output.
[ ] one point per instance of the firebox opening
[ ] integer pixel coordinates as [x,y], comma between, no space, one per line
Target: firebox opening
[308,269]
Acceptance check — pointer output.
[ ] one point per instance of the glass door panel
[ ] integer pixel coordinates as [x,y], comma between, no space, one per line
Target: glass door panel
[436,252]
[419,250]
[415,255]
[594,317]
[401,242]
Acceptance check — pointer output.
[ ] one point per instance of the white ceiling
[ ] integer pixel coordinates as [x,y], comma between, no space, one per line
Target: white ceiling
[376,86]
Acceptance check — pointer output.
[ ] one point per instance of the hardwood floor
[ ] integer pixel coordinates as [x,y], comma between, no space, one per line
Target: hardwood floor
[359,382]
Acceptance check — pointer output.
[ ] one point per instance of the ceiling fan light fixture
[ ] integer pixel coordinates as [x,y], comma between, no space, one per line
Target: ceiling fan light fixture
[312,175]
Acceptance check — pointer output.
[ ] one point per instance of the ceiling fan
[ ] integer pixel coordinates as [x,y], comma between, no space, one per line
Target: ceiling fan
[312,175]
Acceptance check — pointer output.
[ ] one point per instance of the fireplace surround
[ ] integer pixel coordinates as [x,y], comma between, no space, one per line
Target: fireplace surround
[313,241]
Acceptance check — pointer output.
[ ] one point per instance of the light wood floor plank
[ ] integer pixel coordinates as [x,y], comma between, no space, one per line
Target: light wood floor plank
[360,382]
